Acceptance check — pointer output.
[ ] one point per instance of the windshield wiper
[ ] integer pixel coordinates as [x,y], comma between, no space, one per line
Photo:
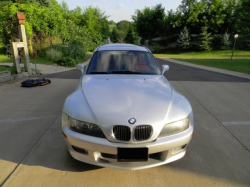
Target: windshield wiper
[126,72]
[99,72]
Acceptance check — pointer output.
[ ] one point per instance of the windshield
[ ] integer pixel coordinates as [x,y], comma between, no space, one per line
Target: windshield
[123,62]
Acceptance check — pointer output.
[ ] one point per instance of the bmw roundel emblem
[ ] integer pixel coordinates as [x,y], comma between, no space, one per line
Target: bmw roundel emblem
[132,121]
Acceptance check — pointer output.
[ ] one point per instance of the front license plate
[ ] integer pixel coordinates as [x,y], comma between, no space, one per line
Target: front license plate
[132,154]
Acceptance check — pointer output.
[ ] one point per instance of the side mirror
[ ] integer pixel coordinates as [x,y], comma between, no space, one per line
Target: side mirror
[165,68]
[80,67]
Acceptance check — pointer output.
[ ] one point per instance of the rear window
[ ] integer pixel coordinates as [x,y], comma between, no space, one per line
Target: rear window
[123,62]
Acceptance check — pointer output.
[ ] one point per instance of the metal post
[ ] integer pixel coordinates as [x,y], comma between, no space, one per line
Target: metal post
[235,38]
[233,49]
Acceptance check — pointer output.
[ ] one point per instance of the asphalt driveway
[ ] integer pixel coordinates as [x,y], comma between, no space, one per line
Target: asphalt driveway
[33,152]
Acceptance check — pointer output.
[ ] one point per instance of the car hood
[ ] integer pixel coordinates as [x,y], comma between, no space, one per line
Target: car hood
[114,99]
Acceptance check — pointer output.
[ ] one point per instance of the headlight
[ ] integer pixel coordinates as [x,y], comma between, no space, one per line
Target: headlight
[85,128]
[174,128]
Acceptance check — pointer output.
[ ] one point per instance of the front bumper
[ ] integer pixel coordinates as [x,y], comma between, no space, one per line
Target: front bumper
[103,153]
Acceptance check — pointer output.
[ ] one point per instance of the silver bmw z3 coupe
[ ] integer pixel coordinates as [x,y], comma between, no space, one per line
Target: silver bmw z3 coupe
[124,113]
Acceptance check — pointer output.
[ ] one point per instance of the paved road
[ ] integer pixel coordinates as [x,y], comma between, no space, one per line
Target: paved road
[177,73]
[33,153]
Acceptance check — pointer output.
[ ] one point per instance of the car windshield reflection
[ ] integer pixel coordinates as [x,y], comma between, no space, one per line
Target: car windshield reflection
[123,62]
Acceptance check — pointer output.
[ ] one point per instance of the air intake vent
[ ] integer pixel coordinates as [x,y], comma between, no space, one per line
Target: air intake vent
[106,155]
[142,132]
[122,133]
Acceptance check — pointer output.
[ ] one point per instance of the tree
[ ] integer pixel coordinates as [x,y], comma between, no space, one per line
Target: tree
[95,24]
[124,26]
[205,39]
[231,15]
[49,23]
[225,41]
[216,14]
[130,38]
[121,35]
[184,39]
[114,35]
[112,22]
[243,16]
[40,21]
[47,3]
[122,30]
[112,25]
[191,13]
[149,21]
[190,10]
[172,23]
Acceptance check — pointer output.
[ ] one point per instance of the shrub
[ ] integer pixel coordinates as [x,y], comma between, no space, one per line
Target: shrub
[130,37]
[243,42]
[13,70]
[73,50]
[53,55]
[66,61]
[225,41]
[2,50]
[76,51]
[157,47]
[56,52]
[216,42]
[205,40]
[184,39]
[142,41]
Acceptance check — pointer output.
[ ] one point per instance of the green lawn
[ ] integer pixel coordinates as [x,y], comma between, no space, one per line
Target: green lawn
[41,61]
[226,54]
[239,65]
[3,68]
[217,59]
[4,58]
[89,53]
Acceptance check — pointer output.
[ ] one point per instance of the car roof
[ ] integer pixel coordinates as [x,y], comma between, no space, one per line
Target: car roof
[121,47]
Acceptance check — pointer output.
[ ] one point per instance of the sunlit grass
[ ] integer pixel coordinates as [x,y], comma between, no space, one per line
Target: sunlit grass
[5,58]
[225,54]
[239,65]
[4,68]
